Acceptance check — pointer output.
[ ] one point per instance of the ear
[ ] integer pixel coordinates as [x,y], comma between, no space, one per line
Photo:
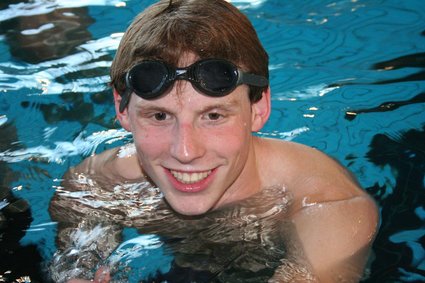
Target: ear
[261,111]
[123,116]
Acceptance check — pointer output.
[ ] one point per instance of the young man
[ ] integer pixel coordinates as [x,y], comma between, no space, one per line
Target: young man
[190,82]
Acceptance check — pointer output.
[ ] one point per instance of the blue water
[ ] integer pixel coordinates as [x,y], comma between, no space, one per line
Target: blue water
[347,78]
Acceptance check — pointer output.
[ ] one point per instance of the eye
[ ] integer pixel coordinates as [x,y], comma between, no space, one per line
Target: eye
[214,116]
[160,116]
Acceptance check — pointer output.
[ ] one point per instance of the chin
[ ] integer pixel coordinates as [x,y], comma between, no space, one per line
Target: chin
[190,211]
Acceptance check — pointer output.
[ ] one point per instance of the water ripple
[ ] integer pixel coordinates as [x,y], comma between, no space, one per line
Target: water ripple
[62,149]
[47,77]
[38,7]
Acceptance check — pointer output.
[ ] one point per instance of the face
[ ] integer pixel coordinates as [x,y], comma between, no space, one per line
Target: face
[197,149]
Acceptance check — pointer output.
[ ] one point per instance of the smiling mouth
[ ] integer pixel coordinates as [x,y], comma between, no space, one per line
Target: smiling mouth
[190,178]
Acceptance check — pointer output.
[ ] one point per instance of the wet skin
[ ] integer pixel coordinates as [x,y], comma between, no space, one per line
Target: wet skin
[201,153]
[197,149]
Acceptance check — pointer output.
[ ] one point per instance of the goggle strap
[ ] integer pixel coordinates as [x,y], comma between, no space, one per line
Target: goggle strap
[253,80]
[187,74]
[125,98]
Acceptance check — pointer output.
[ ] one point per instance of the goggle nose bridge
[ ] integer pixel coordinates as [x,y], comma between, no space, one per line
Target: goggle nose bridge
[184,74]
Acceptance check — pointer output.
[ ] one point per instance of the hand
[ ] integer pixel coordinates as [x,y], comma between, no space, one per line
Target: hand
[102,276]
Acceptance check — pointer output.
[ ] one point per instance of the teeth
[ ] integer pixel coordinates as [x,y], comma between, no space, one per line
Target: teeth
[190,178]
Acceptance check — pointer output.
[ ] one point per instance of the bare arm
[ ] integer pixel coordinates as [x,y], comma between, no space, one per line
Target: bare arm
[85,235]
[337,236]
[96,198]
[335,220]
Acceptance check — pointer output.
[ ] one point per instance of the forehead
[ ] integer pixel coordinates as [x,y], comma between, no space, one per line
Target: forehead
[187,58]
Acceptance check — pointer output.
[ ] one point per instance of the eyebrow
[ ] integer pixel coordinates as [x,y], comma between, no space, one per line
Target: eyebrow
[228,105]
[151,108]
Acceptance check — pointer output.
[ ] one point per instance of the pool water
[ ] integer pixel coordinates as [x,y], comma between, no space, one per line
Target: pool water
[347,78]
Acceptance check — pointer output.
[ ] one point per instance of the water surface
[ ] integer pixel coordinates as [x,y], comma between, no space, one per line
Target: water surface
[347,78]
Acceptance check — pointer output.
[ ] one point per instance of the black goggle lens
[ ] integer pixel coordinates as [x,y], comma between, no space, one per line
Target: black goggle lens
[216,78]
[150,79]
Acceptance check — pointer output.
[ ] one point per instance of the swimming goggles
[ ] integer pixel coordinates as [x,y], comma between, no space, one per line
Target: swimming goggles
[150,79]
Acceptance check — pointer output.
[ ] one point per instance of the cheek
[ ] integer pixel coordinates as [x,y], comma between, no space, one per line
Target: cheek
[150,143]
[233,139]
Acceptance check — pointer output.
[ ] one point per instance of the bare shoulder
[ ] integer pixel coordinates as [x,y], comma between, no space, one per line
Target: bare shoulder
[307,173]
[114,164]
[335,220]
[337,237]
[93,177]
[313,178]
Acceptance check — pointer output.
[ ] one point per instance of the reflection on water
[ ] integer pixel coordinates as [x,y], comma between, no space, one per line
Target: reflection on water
[81,145]
[15,218]
[43,37]
[244,242]
[401,231]
[347,78]
[416,60]
[39,34]
[386,106]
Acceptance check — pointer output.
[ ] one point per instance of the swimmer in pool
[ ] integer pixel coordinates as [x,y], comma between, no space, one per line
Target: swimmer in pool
[190,82]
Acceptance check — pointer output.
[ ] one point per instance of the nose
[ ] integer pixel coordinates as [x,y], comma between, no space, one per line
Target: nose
[187,145]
